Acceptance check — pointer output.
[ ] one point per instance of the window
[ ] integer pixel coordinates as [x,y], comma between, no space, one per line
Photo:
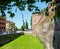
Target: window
[3,23]
[4,27]
[0,22]
[0,27]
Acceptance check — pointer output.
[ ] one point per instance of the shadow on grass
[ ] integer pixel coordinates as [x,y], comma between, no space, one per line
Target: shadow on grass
[5,39]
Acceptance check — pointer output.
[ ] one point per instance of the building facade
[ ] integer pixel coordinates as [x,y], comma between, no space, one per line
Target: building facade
[2,24]
[10,26]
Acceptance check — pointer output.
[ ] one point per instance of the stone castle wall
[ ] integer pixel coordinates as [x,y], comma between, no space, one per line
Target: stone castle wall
[43,27]
[45,31]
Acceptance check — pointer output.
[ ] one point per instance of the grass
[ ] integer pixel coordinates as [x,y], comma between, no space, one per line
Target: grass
[24,42]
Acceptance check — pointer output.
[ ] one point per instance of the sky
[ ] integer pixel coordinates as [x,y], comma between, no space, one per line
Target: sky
[17,19]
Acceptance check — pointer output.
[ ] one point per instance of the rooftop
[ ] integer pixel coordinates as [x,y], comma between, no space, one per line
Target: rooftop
[36,13]
[9,21]
[2,17]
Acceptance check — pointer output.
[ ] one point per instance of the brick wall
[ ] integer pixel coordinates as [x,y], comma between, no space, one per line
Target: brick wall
[43,27]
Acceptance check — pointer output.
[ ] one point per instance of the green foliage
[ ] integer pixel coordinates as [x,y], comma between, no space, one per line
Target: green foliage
[42,10]
[21,4]
[46,13]
[16,28]
[31,22]
[26,25]
[22,27]
[46,1]
[11,14]
[23,23]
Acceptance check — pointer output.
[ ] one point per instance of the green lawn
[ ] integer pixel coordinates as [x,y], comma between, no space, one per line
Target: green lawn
[24,42]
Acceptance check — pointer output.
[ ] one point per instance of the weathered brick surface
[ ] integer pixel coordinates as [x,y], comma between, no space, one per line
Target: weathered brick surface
[46,34]
[43,27]
[47,30]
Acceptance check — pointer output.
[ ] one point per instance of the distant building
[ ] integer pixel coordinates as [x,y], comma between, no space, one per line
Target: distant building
[2,24]
[10,26]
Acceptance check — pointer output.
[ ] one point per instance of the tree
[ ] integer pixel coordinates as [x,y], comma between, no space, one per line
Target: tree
[31,22]
[26,25]
[16,28]
[21,4]
[23,26]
